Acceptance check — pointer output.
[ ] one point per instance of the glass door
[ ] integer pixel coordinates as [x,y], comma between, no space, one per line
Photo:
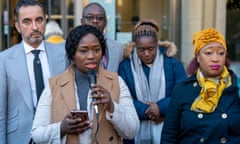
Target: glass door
[167,13]
[60,11]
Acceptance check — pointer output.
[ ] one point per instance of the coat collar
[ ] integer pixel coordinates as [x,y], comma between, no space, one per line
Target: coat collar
[66,82]
[68,75]
[233,87]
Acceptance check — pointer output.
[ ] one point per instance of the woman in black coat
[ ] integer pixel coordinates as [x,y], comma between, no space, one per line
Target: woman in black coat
[205,108]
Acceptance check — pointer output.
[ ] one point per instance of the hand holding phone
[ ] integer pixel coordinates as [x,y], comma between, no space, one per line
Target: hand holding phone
[83,114]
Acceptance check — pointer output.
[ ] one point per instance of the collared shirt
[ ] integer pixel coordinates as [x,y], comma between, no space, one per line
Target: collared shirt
[44,63]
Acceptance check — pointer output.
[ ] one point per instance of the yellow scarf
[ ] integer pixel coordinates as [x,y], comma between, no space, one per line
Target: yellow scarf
[211,91]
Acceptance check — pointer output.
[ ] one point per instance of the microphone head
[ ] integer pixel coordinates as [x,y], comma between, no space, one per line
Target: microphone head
[92,76]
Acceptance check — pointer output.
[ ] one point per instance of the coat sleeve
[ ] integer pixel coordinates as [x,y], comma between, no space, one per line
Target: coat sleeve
[172,120]
[43,131]
[126,74]
[178,75]
[3,102]
[124,118]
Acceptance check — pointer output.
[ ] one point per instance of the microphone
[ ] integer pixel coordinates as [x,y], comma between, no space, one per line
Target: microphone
[92,79]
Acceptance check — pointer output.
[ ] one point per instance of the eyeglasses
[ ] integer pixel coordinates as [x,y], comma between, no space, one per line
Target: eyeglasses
[91,18]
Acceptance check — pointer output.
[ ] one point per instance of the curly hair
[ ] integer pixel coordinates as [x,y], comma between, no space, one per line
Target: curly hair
[77,34]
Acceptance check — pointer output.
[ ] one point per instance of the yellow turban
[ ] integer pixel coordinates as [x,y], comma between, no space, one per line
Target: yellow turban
[201,38]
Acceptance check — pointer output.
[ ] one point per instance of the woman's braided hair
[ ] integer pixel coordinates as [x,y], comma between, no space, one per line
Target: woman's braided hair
[146,28]
[77,34]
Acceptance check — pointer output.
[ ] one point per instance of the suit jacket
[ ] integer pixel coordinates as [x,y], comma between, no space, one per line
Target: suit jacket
[16,104]
[114,52]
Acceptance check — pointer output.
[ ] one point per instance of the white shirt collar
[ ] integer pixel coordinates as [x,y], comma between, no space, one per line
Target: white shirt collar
[29,48]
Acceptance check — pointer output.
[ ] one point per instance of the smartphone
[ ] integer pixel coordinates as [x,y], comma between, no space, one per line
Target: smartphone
[83,114]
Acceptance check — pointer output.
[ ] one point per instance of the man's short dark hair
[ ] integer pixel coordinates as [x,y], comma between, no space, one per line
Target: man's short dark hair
[91,4]
[22,3]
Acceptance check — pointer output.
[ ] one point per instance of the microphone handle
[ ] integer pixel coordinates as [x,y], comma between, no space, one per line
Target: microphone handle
[95,106]
[92,78]
[96,109]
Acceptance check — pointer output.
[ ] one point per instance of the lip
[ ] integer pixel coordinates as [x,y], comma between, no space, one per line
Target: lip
[91,65]
[147,58]
[36,33]
[215,67]
[148,61]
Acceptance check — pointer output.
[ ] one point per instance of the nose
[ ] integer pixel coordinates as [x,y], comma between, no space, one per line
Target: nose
[90,55]
[94,20]
[34,25]
[216,57]
[146,52]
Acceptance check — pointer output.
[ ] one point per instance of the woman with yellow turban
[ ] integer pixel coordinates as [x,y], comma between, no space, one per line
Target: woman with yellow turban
[205,108]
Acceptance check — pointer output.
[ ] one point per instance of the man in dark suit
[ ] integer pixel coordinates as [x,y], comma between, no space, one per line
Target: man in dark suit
[94,14]
[18,90]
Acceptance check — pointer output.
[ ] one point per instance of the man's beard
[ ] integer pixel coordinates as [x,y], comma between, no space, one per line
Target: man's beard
[35,40]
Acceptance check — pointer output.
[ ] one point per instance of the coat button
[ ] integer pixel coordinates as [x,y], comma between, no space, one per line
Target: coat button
[201,140]
[224,115]
[200,115]
[223,140]
[194,84]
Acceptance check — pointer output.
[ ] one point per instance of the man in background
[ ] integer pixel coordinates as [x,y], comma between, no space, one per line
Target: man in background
[20,85]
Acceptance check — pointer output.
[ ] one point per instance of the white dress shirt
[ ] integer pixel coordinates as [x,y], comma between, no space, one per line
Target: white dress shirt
[45,67]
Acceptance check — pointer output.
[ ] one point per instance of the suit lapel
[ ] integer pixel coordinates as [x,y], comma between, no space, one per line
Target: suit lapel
[56,59]
[66,81]
[19,71]
[111,54]
[68,89]
[106,81]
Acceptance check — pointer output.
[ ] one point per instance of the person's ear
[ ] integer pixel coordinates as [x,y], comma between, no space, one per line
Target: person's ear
[81,20]
[17,27]
[198,58]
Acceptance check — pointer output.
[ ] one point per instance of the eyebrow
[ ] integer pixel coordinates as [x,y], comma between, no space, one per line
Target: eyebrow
[99,14]
[86,45]
[27,18]
[212,46]
[24,19]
